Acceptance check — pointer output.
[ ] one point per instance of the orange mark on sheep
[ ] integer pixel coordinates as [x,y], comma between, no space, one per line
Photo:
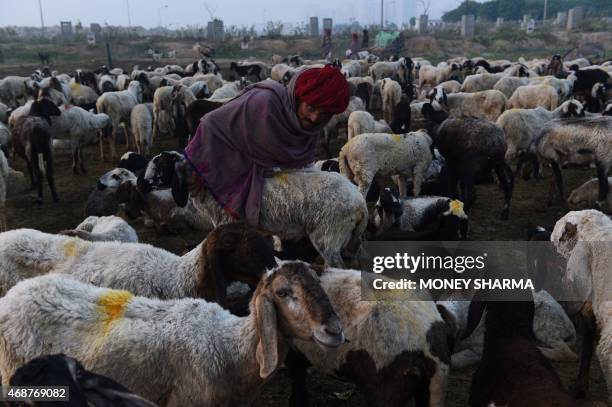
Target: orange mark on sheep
[396,137]
[282,177]
[110,309]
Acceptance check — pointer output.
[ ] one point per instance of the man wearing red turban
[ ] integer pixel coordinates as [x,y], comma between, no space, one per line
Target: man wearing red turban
[266,126]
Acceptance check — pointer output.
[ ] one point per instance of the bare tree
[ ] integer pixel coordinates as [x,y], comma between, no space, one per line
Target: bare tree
[425,5]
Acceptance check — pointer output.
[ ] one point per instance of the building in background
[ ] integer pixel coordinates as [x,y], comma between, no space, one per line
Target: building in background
[314,27]
[66,28]
[214,30]
[327,23]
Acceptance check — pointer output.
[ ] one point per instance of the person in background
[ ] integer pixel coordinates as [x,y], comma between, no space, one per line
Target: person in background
[265,128]
[326,45]
[354,46]
[365,40]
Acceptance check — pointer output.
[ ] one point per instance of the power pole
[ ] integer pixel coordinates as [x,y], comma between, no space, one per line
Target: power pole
[545,10]
[382,5]
[42,21]
[127,5]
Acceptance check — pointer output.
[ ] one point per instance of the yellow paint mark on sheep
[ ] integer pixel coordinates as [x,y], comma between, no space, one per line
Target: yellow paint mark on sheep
[75,86]
[70,248]
[456,208]
[396,137]
[110,309]
[282,177]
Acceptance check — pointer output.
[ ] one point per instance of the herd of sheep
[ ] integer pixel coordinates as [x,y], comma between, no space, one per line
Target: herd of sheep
[210,326]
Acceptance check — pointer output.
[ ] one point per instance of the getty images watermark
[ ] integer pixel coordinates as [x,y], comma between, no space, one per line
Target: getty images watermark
[501,271]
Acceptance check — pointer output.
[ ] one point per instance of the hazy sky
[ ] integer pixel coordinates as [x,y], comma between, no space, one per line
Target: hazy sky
[191,12]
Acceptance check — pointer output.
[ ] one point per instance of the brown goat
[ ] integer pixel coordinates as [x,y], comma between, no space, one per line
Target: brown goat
[31,138]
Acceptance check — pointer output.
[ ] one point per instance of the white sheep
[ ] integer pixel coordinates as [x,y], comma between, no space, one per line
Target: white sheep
[3,113]
[82,95]
[141,120]
[393,337]
[81,127]
[434,75]
[391,92]
[228,90]
[14,90]
[360,122]
[4,180]
[487,104]
[522,126]
[583,237]
[185,352]
[585,196]
[407,155]
[142,269]
[532,96]
[351,69]
[104,229]
[508,84]
[118,105]
[213,81]
[397,70]
[577,141]
[107,83]
[323,206]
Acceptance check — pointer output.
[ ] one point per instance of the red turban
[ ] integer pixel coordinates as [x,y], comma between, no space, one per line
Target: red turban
[323,88]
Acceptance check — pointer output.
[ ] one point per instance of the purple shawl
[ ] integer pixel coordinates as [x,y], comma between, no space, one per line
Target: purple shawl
[233,145]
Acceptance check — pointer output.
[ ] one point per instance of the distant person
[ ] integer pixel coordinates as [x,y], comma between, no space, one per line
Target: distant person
[365,40]
[354,46]
[1,57]
[267,126]
[326,45]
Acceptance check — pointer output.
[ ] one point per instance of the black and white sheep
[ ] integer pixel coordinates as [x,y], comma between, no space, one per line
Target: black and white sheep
[104,229]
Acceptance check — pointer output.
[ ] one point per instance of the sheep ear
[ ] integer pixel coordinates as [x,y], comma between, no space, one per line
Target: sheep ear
[475,312]
[211,285]
[569,232]
[267,348]
[180,192]
[578,272]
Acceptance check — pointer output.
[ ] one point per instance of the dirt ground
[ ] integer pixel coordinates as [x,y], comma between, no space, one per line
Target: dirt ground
[528,210]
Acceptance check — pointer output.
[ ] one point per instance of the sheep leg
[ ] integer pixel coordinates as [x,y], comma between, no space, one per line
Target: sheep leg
[75,160]
[506,182]
[51,177]
[298,365]
[558,178]
[602,176]
[589,332]
[401,185]
[81,163]
[363,183]
[31,172]
[37,177]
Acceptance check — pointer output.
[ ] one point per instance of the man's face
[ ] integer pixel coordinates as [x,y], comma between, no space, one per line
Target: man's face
[311,117]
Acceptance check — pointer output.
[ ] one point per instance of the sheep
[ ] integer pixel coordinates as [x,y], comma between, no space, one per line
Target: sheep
[398,70]
[470,146]
[85,388]
[103,201]
[162,111]
[397,351]
[552,328]
[106,83]
[4,179]
[582,237]
[360,122]
[522,126]
[487,104]
[197,110]
[118,105]
[564,87]
[369,154]
[213,82]
[585,196]
[532,96]
[508,84]
[258,70]
[133,162]
[228,90]
[5,135]
[608,110]
[323,206]
[122,81]
[433,76]
[189,344]
[230,253]
[330,130]
[391,95]
[160,210]
[141,119]
[431,217]
[4,113]
[13,90]
[577,141]
[512,370]
[32,141]
[451,86]
[83,96]
[104,229]
[351,69]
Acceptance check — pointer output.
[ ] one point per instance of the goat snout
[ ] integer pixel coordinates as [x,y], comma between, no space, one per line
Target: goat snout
[330,334]
[101,186]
